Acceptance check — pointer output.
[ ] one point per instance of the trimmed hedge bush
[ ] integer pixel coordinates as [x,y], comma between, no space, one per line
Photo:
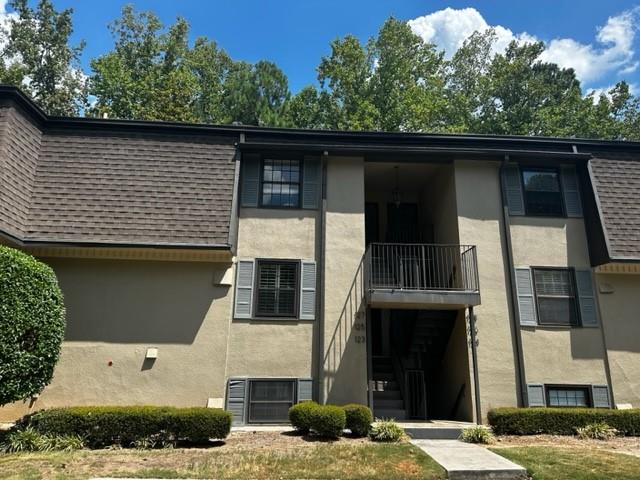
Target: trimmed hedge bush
[130,426]
[32,326]
[328,421]
[358,419]
[561,421]
[301,414]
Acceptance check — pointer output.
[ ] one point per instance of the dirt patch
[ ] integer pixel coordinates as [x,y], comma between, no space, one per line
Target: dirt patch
[628,445]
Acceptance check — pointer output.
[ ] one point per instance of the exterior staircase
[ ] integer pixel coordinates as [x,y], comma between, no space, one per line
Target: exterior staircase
[387,398]
[422,343]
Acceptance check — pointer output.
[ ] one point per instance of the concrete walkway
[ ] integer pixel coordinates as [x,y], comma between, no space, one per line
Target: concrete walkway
[464,461]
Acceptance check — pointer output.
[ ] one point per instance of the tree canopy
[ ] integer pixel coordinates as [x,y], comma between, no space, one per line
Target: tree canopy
[393,82]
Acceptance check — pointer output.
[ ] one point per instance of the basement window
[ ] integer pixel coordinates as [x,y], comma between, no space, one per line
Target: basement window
[277,289]
[562,396]
[542,193]
[270,400]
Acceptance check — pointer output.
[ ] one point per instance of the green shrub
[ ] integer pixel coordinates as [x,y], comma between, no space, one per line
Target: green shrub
[596,431]
[328,421]
[359,419]
[32,326]
[30,440]
[301,414]
[132,426]
[477,434]
[386,431]
[561,421]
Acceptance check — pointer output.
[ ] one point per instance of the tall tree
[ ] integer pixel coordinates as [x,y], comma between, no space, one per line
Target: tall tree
[37,57]
[154,73]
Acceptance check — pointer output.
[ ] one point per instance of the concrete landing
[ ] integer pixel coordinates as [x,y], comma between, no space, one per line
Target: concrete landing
[464,461]
[435,429]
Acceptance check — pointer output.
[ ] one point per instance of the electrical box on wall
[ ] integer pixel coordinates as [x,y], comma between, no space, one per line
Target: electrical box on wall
[152,353]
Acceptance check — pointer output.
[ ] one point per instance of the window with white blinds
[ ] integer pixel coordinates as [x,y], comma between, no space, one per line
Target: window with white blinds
[277,289]
[555,296]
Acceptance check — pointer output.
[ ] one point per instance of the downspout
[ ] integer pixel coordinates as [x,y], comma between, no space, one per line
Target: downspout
[474,361]
[235,210]
[320,323]
[522,379]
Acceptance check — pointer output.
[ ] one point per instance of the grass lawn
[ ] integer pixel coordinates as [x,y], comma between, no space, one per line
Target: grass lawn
[573,463]
[265,458]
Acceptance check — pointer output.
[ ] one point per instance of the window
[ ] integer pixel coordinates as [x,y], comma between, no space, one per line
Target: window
[277,289]
[555,296]
[542,193]
[270,400]
[281,183]
[568,396]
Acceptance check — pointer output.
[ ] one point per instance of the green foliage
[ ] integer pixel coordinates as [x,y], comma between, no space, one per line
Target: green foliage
[477,434]
[328,421]
[153,73]
[386,431]
[37,57]
[597,431]
[32,326]
[30,440]
[301,415]
[132,426]
[358,419]
[561,421]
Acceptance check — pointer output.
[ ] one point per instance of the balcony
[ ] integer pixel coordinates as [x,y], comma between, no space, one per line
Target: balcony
[421,276]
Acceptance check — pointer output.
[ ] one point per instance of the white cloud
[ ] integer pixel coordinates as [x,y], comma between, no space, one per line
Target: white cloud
[611,52]
[449,28]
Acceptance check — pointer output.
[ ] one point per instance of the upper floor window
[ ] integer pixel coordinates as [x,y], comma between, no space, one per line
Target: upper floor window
[281,183]
[542,192]
[555,295]
[277,288]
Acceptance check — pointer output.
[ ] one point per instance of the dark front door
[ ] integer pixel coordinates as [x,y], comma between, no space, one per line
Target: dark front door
[371,225]
[402,223]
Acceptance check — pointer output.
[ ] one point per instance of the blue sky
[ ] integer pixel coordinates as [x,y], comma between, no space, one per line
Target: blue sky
[598,38]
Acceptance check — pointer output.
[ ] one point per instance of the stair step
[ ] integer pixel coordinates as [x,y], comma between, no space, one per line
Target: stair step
[388,404]
[384,376]
[386,395]
[387,413]
[434,433]
[385,385]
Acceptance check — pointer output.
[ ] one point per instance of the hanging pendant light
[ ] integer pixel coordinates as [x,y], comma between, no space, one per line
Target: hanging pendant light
[395,193]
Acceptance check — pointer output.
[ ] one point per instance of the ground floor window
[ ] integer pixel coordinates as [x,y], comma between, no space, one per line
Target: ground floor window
[270,400]
[568,397]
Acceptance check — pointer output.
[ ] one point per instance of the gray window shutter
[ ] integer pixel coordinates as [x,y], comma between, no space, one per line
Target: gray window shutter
[250,180]
[586,298]
[305,389]
[308,290]
[571,191]
[244,288]
[535,395]
[513,189]
[236,399]
[526,300]
[600,396]
[311,182]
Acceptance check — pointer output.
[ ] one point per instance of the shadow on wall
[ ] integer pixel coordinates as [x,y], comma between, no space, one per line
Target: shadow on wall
[136,301]
[348,337]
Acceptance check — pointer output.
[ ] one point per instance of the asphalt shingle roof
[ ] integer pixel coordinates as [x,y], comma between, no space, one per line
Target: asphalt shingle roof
[616,182]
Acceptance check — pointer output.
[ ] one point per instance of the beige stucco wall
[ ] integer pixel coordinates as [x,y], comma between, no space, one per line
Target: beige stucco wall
[557,354]
[619,297]
[344,361]
[272,348]
[479,223]
[115,311]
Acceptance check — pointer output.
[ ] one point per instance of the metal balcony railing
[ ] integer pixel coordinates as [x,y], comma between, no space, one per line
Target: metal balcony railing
[406,266]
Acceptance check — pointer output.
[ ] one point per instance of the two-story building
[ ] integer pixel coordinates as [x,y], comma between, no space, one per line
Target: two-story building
[429,276]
